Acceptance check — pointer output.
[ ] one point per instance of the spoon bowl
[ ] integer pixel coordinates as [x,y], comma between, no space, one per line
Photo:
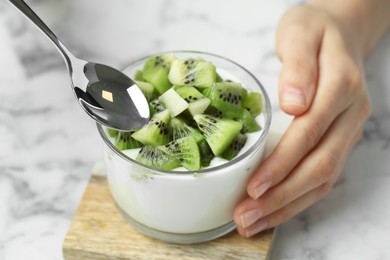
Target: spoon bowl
[107,95]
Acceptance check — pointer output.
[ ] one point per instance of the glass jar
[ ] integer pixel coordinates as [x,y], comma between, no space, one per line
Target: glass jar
[186,207]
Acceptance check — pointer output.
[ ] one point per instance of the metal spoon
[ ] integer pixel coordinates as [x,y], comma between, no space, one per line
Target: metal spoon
[106,94]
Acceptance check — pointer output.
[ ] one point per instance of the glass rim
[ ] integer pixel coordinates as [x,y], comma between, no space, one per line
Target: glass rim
[209,170]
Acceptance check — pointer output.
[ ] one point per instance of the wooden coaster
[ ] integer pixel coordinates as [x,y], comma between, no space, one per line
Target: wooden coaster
[98,231]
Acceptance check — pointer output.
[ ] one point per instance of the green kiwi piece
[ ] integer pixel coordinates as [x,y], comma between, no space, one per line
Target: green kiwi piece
[124,141]
[249,124]
[212,111]
[156,69]
[156,106]
[235,147]
[198,103]
[206,153]
[181,129]
[253,103]
[218,78]
[244,94]
[173,102]
[219,133]
[138,76]
[185,150]
[226,97]
[147,89]
[112,132]
[156,158]
[192,72]
[207,91]
[156,132]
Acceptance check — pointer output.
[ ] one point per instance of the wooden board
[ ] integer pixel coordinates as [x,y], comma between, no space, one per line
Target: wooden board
[98,231]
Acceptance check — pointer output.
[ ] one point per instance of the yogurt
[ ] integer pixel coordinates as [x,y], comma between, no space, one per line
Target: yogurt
[180,206]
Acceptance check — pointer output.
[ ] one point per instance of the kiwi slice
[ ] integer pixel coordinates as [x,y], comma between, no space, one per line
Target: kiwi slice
[185,150]
[181,129]
[218,78]
[253,103]
[219,133]
[156,106]
[173,102]
[156,69]
[193,72]
[235,147]
[206,153]
[212,111]
[147,89]
[124,141]
[139,76]
[196,114]
[156,158]
[226,97]
[249,124]
[198,103]
[156,132]
[112,132]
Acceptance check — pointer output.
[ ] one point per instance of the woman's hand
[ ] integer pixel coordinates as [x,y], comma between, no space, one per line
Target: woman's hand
[322,84]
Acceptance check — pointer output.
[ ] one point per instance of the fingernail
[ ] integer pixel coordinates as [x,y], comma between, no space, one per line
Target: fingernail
[294,96]
[261,189]
[250,217]
[256,228]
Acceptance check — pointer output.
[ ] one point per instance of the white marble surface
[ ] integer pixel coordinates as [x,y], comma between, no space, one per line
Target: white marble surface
[48,146]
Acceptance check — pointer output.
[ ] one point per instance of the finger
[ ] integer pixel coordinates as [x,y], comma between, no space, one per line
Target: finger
[287,212]
[334,95]
[322,165]
[298,205]
[301,136]
[305,177]
[298,44]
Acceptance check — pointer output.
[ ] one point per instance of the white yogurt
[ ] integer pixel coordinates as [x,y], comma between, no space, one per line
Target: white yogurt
[183,203]
[179,203]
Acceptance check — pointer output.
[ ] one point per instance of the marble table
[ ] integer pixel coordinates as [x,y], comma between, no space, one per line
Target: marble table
[48,146]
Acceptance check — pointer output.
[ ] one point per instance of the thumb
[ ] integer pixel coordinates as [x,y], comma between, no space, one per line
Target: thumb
[297,47]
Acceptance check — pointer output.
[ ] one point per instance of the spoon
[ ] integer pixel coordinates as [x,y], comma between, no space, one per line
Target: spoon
[106,94]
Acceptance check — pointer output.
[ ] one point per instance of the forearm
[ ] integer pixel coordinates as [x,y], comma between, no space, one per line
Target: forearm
[365,21]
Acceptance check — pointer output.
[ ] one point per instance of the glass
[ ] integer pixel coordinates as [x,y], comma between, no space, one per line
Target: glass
[186,207]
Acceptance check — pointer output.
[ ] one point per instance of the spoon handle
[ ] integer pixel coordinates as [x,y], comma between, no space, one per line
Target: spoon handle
[33,17]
